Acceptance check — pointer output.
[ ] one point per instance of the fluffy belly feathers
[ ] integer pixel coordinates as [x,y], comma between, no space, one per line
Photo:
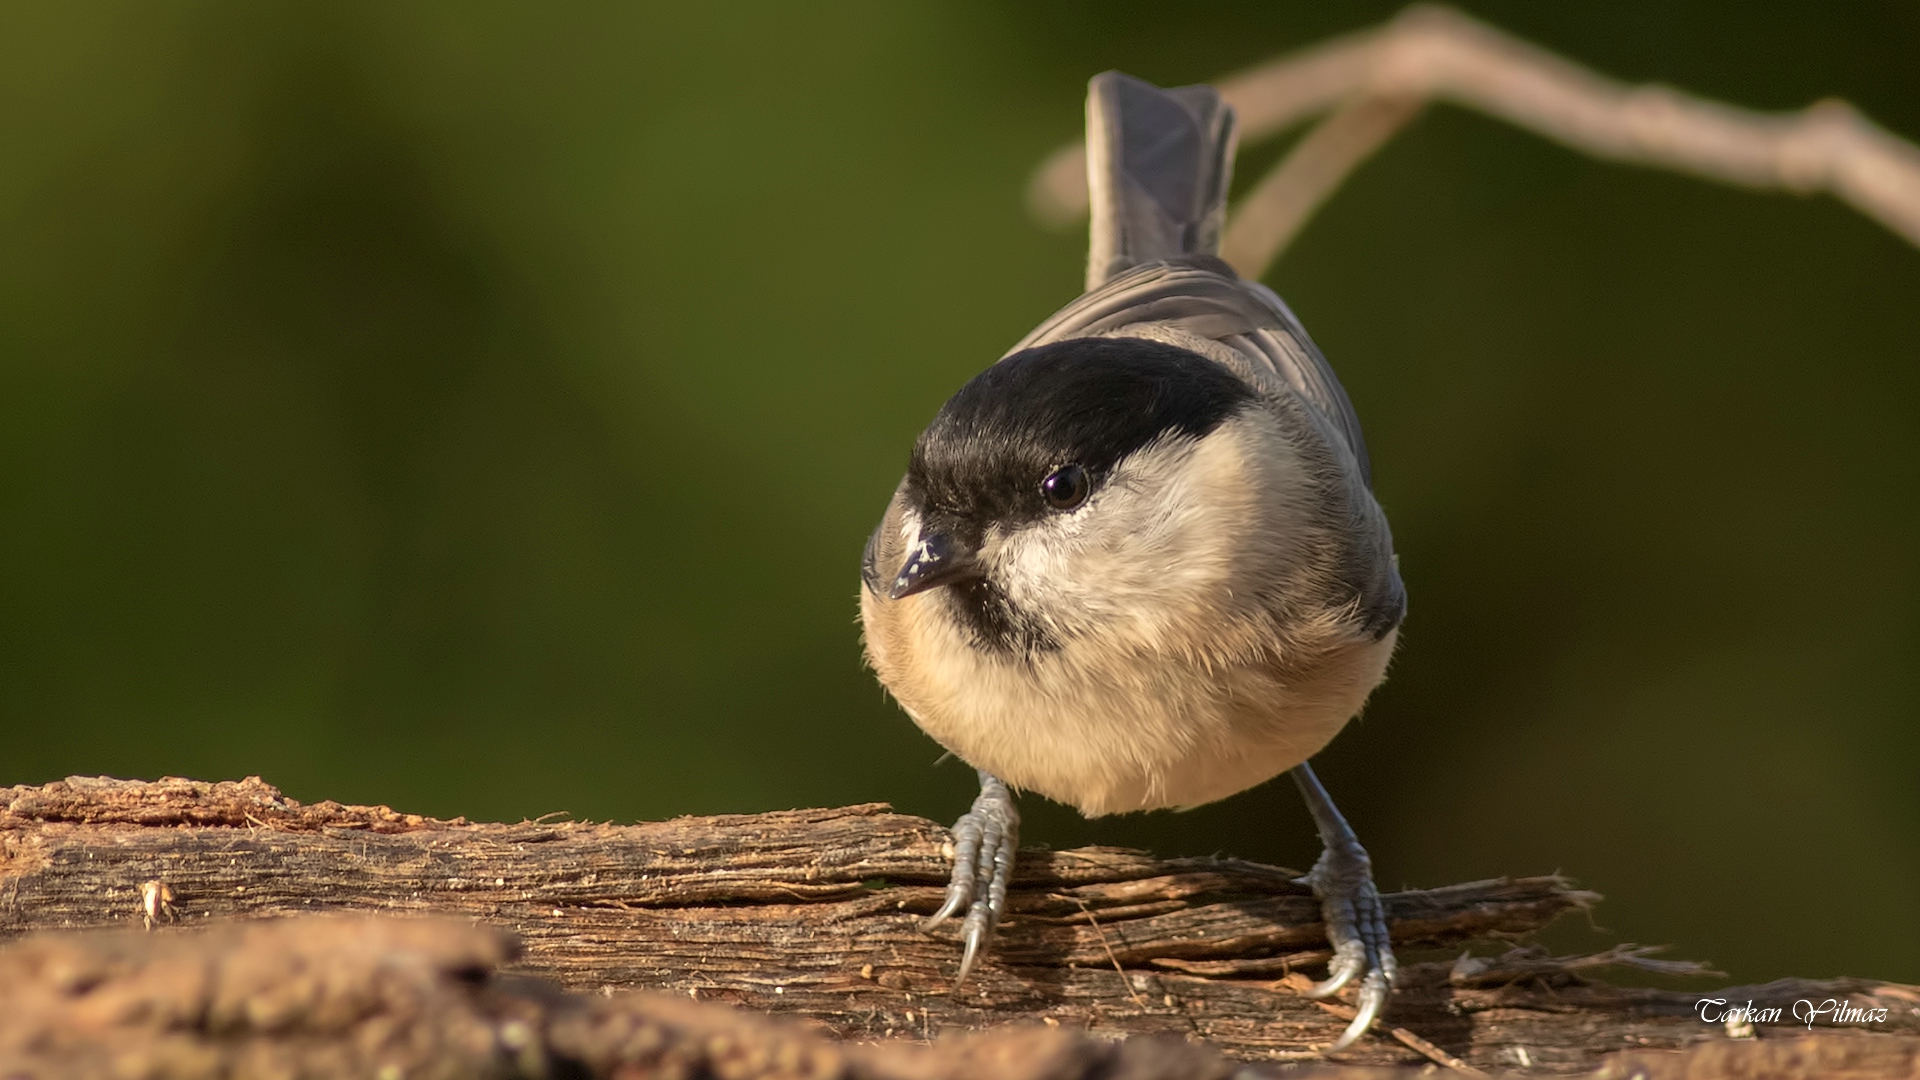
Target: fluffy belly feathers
[1113,733]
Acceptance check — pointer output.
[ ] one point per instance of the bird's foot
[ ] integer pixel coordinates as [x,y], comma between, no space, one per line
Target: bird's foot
[984,841]
[1357,929]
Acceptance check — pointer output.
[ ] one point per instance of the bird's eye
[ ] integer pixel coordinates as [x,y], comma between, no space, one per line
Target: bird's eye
[1066,487]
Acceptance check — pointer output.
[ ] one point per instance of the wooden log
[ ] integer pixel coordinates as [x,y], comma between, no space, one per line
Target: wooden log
[817,913]
[327,996]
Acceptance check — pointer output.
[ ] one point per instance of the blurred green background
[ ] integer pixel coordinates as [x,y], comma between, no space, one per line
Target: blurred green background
[480,409]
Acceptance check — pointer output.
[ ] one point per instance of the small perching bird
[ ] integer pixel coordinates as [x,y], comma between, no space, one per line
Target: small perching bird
[1137,563]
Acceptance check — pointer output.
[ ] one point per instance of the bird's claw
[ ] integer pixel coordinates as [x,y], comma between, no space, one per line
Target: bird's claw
[1357,929]
[984,841]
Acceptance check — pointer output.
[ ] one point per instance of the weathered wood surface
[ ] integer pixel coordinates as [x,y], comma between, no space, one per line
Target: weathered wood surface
[338,996]
[817,912]
[325,996]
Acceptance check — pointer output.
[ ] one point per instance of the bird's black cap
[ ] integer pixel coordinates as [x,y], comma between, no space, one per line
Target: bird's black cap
[1085,401]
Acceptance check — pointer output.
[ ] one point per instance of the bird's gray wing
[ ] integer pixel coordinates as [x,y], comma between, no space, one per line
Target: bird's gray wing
[1201,296]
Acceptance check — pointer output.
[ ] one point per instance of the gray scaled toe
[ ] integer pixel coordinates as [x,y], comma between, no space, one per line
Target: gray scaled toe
[1357,928]
[984,841]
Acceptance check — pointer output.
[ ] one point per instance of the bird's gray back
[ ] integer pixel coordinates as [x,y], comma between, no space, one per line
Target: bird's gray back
[1200,296]
[1159,163]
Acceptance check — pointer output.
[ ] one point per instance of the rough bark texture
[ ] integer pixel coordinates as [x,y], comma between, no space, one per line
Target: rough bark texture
[813,913]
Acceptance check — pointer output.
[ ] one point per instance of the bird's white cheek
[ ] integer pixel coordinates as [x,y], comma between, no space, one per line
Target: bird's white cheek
[1155,549]
[1035,570]
[1074,582]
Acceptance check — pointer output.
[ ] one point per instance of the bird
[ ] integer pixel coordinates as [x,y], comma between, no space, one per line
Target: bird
[1137,563]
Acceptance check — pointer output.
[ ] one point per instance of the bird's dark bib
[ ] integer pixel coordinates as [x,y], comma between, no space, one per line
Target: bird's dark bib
[994,623]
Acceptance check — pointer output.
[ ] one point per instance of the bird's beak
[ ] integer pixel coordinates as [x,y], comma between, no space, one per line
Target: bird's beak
[935,560]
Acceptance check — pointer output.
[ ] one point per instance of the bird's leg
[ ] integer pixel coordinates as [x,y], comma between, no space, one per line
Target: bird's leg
[1356,922]
[984,841]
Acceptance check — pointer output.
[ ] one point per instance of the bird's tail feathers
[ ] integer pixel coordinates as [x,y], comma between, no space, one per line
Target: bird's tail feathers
[1158,166]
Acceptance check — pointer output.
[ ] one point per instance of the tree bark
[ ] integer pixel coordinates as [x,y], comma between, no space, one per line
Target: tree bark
[817,913]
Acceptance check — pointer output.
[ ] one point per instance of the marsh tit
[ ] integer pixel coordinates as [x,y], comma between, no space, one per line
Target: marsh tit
[1137,563]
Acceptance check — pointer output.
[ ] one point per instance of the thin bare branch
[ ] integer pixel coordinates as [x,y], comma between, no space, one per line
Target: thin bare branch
[1266,100]
[1435,53]
[1274,211]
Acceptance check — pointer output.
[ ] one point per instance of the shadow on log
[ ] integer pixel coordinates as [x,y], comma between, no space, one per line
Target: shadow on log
[812,913]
